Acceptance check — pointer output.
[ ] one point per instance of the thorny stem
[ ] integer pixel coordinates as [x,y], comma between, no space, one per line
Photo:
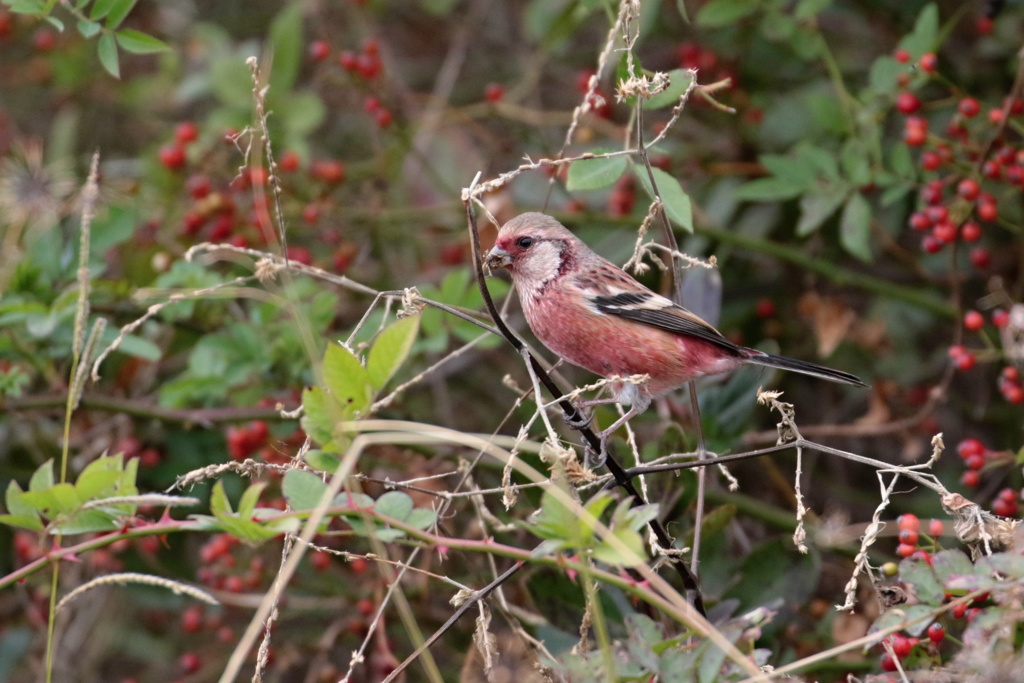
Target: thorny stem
[701,477]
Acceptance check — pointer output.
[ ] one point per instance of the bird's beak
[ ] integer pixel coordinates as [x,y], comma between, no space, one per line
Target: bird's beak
[498,258]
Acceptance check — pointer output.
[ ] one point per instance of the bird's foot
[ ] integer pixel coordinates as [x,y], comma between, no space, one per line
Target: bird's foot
[580,419]
[592,460]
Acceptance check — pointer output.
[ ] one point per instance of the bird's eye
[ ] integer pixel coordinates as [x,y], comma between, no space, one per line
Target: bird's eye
[524,242]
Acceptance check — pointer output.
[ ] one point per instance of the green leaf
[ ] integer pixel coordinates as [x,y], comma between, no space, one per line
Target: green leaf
[347,380]
[101,8]
[30,522]
[921,579]
[96,484]
[815,209]
[394,504]
[27,7]
[107,51]
[56,23]
[677,202]
[924,37]
[88,28]
[219,504]
[555,521]
[286,46]
[855,227]
[679,81]
[139,43]
[768,190]
[318,460]
[119,12]
[421,518]
[719,13]
[594,174]
[302,489]
[42,478]
[247,503]
[22,513]
[140,347]
[609,554]
[390,350]
[884,73]
[320,412]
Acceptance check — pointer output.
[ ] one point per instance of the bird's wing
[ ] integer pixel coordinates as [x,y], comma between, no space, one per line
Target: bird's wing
[620,295]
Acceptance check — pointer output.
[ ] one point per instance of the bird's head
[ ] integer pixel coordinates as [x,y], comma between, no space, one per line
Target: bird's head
[534,247]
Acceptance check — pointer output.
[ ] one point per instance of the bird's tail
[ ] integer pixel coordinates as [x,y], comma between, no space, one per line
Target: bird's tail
[802,366]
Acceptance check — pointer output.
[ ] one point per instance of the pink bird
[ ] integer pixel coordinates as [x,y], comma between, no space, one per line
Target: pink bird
[588,311]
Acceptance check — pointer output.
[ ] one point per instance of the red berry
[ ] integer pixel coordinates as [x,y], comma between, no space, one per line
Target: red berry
[936,528]
[172,156]
[970,231]
[1004,509]
[300,255]
[969,447]
[328,170]
[320,561]
[980,258]
[186,132]
[371,47]
[901,56]
[991,169]
[970,478]
[901,646]
[310,214]
[365,607]
[1010,373]
[969,189]
[765,309]
[920,221]
[452,254]
[944,232]
[905,550]
[348,61]
[887,662]
[319,50]
[289,161]
[975,462]
[936,633]
[909,521]
[915,136]
[371,104]
[959,610]
[983,26]
[929,62]
[368,65]
[995,115]
[198,186]
[937,214]
[907,103]
[966,362]
[969,107]
[930,160]
[234,584]
[44,40]
[930,245]
[932,193]
[908,536]
[358,565]
[987,211]
[189,662]
[974,321]
[1000,319]
[1009,495]
[191,619]
[383,118]
[494,92]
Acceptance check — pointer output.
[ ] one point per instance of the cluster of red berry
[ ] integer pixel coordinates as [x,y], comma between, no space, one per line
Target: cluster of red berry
[909,526]
[366,65]
[945,217]
[977,457]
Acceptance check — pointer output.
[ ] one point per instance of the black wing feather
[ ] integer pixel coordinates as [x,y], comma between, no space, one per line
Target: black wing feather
[674,318]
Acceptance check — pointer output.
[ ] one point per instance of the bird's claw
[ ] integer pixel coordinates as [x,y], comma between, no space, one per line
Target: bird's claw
[592,460]
[580,419]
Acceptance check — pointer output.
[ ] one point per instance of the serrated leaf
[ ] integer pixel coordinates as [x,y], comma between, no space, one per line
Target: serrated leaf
[106,48]
[899,615]
[394,504]
[595,174]
[219,504]
[91,485]
[677,202]
[139,43]
[319,413]
[302,489]
[347,380]
[247,503]
[608,553]
[919,576]
[815,209]
[15,504]
[390,350]
[719,13]
[855,227]
[89,521]
[554,521]
[679,81]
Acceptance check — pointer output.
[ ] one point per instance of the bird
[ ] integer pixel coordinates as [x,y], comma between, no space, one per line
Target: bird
[591,313]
